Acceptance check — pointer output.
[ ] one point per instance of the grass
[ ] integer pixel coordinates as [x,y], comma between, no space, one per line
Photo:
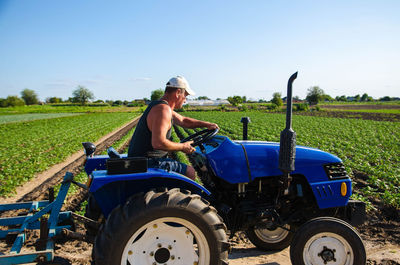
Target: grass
[66,109]
[32,116]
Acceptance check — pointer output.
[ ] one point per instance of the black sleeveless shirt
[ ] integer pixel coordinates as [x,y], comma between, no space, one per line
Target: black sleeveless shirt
[140,144]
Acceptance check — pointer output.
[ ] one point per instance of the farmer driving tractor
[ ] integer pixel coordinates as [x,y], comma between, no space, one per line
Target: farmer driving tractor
[152,135]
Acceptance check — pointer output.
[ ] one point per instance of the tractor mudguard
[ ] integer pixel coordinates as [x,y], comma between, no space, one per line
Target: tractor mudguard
[113,190]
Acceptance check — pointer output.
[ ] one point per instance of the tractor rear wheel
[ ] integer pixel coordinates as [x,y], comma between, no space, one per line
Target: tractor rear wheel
[270,239]
[161,228]
[327,240]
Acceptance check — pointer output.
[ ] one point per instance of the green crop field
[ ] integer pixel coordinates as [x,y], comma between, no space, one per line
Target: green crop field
[367,148]
[66,109]
[32,116]
[30,147]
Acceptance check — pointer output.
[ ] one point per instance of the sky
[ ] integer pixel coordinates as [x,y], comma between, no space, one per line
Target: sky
[126,49]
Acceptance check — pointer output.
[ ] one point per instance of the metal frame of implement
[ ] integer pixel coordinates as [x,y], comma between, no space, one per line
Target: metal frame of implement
[35,220]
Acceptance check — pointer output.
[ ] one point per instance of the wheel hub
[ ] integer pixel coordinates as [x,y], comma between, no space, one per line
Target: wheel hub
[328,248]
[162,255]
[327,255]
[165,241]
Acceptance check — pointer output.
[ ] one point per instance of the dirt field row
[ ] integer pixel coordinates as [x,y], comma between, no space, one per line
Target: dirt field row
[353,115]
[362,106]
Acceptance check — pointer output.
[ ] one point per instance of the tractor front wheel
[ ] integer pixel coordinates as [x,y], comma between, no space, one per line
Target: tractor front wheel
[162,228]
[327,240]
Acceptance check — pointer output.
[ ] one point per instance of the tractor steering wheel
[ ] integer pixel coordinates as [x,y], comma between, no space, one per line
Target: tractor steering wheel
[201,136]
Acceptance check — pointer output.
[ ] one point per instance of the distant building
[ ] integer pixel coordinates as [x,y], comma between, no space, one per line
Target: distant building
[208,102]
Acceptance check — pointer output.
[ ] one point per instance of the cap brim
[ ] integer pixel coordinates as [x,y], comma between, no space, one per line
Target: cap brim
[190,91]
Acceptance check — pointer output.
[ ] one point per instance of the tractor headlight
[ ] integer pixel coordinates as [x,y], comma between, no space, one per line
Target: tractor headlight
[343,189]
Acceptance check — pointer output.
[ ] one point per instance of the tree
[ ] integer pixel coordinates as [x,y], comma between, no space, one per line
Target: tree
[235,100]
[296,98]
[117,103]
[365,97]
[29,96]
[53,100]
[82,95]
[314,95]
[203,98]
[277,99]
[385,98]
[341,98]
[357,98]
[3,102]
[326,97]
[156,94]
[13,101]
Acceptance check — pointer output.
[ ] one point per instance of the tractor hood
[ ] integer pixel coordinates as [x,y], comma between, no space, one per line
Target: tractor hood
[247,160]
[264,158]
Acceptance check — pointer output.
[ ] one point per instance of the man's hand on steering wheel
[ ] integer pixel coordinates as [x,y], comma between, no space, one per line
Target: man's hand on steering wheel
[212,126]
[200,137]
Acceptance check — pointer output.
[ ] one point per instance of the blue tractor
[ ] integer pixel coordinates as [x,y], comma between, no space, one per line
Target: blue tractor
[280,194]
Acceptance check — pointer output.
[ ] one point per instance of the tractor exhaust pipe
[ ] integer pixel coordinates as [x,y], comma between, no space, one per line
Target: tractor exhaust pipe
[287,150]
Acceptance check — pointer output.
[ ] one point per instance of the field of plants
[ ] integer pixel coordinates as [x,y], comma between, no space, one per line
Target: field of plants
[369,149]
[30,147]
[32,116]
[65,109]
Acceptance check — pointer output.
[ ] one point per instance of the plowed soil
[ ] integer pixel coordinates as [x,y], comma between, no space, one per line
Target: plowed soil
[352,115]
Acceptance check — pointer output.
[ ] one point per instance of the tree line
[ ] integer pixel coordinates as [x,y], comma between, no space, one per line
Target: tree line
[82,96]
[314,96]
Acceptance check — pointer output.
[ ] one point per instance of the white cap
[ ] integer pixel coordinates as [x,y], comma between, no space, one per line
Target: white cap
[180,82]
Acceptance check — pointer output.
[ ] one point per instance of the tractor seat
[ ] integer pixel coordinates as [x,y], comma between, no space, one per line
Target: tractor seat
[112,153]
[117,164]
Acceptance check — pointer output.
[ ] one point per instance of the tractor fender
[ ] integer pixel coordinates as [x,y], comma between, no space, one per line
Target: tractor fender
[110,191]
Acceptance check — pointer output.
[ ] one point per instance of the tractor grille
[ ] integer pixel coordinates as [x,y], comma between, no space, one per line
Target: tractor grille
[335,171]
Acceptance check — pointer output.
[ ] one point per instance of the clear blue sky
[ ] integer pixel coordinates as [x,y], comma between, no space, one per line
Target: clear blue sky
[126,49]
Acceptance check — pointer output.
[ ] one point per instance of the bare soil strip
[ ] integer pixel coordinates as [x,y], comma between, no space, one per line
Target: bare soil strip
[37,187]
[352,115]
[361,106]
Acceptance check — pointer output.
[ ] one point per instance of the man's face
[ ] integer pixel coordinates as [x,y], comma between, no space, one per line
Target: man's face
[182,94]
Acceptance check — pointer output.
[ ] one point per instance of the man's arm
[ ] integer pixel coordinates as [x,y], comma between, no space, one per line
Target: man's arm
[192,123]
[159,122]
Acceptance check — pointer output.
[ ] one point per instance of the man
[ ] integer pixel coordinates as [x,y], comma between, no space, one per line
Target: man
[153,131]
